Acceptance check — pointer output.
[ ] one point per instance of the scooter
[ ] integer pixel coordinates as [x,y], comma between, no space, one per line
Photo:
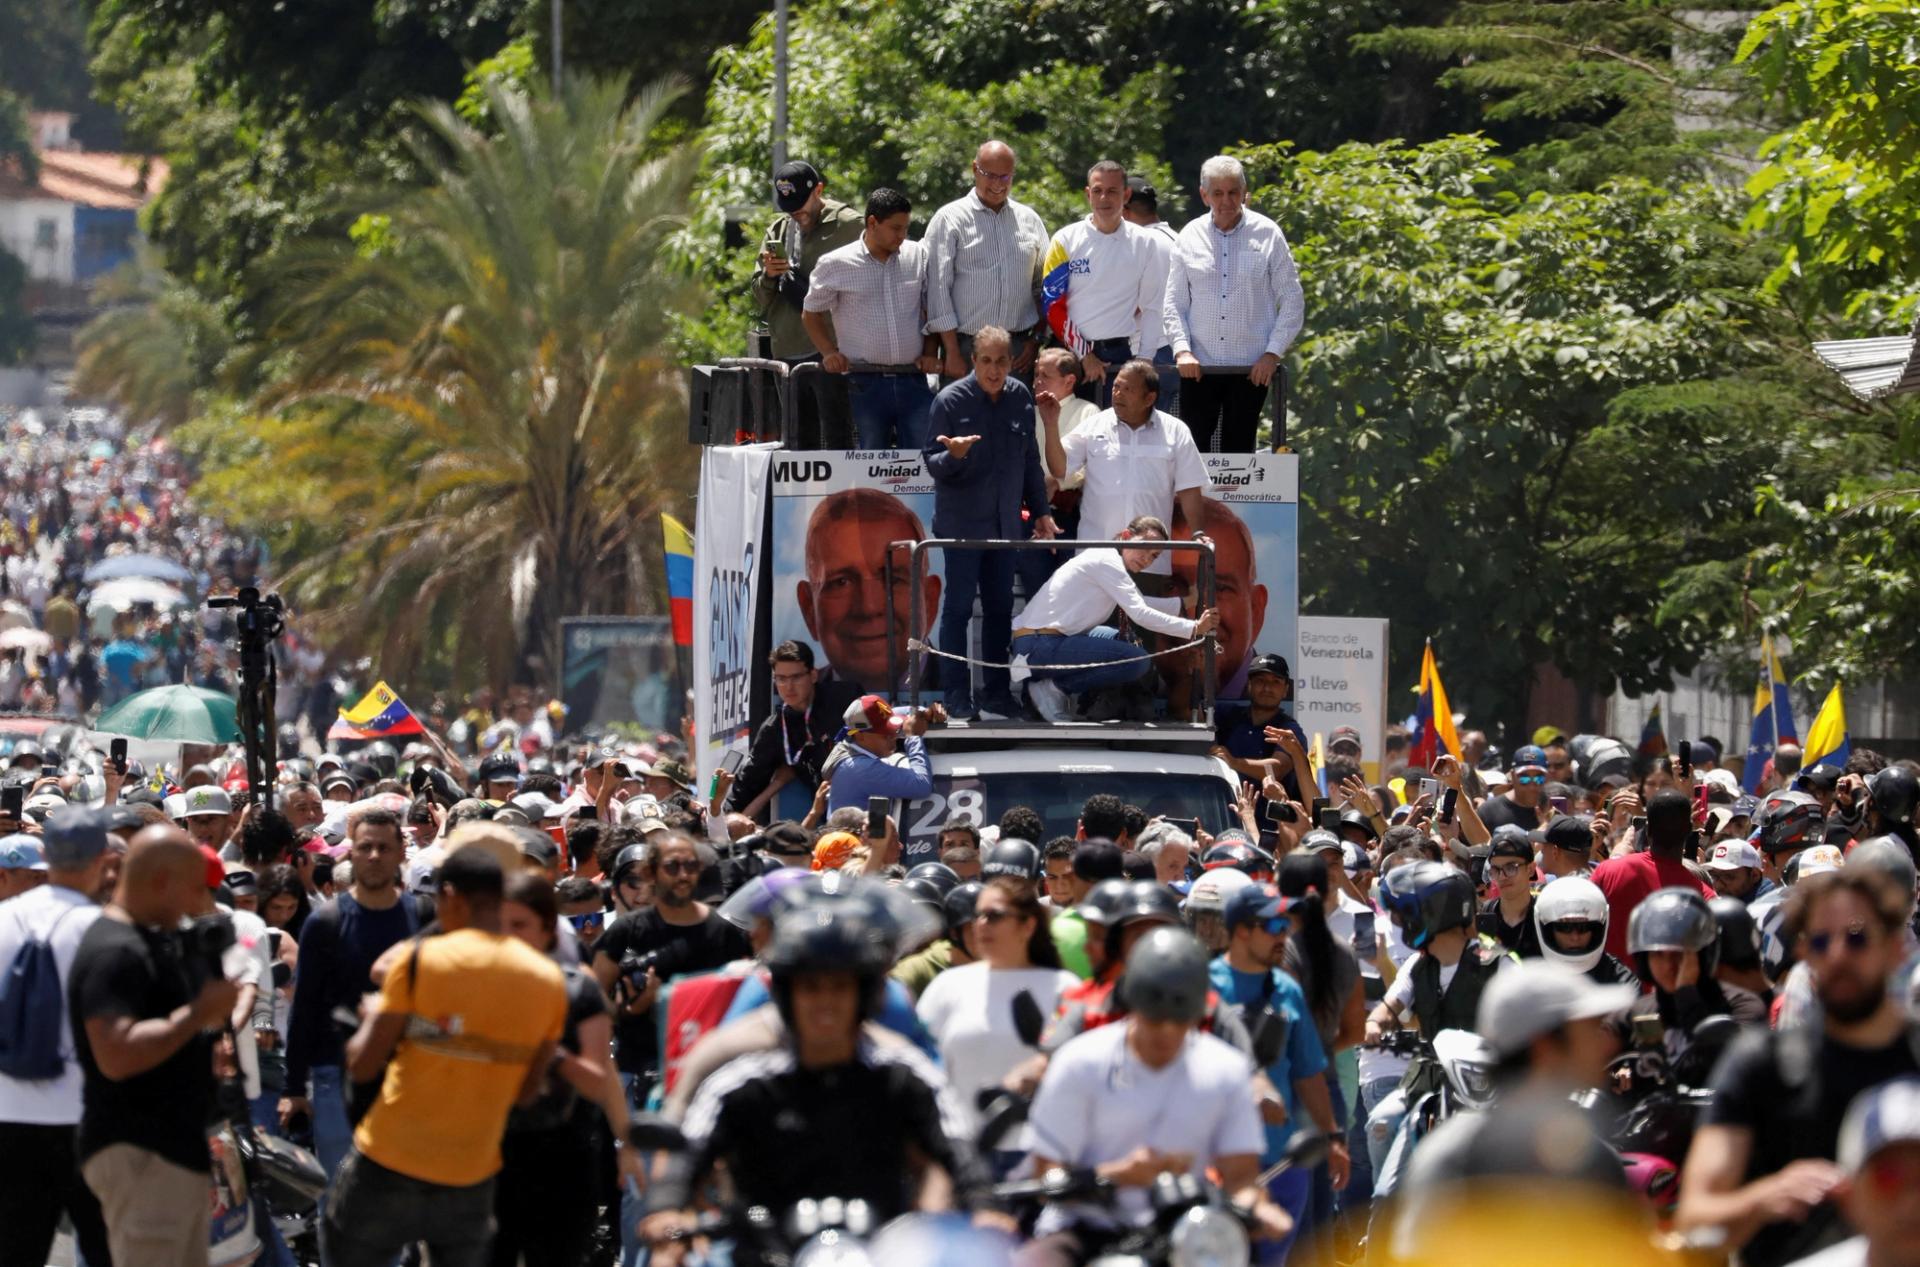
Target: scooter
[1654,1106]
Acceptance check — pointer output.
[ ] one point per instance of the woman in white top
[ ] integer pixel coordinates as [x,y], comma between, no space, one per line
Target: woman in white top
[969,1009]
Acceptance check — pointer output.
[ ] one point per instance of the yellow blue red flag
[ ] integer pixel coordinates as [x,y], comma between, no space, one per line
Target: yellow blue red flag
[379,715]
[1827,738]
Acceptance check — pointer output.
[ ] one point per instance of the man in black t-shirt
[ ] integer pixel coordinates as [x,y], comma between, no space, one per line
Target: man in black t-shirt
[142,1015]
[1508,916]
[1524,804]
[1762,1163]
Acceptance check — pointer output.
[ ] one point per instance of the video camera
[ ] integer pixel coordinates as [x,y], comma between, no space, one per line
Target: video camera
[204,943]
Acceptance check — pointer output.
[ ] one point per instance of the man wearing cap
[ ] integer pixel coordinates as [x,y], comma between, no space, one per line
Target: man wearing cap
[1143,212]
[39,1171]
[208,815]
[983,267]
[1566,846]
[866,764]
[809,225]
[1249,976]
[1880,1153]
[1507,917]
[1733,868]
[23,867]
[1240,737]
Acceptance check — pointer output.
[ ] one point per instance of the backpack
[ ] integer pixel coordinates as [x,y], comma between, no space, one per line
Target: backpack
[33,1010]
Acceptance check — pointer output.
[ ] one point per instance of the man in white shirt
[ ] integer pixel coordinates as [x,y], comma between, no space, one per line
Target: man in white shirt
[1233,298]
[39,1172]
[1062,633]
[983,267]
[1101,274]
[874,288]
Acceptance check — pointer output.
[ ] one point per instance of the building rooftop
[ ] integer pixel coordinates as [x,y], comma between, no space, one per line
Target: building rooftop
[113,182]
[1874,369]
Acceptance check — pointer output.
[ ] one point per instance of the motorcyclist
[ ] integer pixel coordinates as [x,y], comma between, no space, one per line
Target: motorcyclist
[828,1112]
[1675,944]
[1739,961]
[1893,795]
[1148,1096]
[1571,916]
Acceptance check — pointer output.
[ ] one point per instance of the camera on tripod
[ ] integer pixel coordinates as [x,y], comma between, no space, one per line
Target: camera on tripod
[259,622]
[259,619]
[204,943]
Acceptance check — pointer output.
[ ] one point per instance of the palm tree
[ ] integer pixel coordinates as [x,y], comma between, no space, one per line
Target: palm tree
[483,378]
[155,351]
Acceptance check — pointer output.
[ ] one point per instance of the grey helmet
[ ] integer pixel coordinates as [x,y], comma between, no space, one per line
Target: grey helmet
[1166,977]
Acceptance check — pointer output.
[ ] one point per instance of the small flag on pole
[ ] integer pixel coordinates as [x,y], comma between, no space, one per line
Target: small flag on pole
[1827,737]
[1772,717]
[1433,717]
[679,579]
[1653,735]
[379,715]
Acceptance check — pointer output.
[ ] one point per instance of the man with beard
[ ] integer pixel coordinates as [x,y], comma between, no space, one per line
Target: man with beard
[1762,1163]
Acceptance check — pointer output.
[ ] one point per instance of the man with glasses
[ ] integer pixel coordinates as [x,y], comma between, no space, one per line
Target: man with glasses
[983,268]
[1507,917]
[783,763]
[1524,804]
[1062,633]
[1762,1162]
[1559,762]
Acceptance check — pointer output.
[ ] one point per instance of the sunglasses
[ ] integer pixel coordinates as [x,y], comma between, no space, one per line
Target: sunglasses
[592,919]
[1529,778]
[679,866]
[1278,926]
[1856,939]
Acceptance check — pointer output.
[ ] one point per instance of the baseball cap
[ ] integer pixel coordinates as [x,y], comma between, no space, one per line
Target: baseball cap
[1731,855]
[1885,1115]
[216,868]
[118,818]
[1142,194]
[1344,735]
[1318,841]
[1272,664]
[1532,998]
[1530,755]
[1510,841]
[1255,901]
[793,184]
[1568,833]
[537,845]
[74,835]
[871,712]
[1823,776]
[241,882]
[21,852]
[1354,858]
[338,778]
[1819,859]
[205,800]
[1744,806]
[674,772]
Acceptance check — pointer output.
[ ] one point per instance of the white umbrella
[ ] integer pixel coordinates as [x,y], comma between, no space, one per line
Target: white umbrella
[131,591]
[15,615]
[37,641]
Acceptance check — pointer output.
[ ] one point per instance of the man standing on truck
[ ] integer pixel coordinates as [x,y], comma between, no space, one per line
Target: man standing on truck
[809,225]
[865,764]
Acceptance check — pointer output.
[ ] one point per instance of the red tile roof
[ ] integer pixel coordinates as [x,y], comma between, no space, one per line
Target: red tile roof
[107,181]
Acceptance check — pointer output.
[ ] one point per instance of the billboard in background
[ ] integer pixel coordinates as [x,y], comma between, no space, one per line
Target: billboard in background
[728,551]
[834,515]
[1340,679]
[621,669]
[1253,516]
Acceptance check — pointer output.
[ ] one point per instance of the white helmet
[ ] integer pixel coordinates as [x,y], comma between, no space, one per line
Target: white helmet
[1210,892]
[1571,899]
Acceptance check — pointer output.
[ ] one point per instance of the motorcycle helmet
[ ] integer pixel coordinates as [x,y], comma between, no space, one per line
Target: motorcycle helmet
[1571,902]
[1673,919]
[959,906]
[829,936]
[1739,935]
[939,874]
[1238,856]
[1145,901]
[626,860]
[1429,898]
[926,892]
[382,756]
[1892,792]
[1103,901]
[1011,857]
[1166,977]
[1351,817]
[1601,761]
[1887,856]
[1776,948]
[1791,820]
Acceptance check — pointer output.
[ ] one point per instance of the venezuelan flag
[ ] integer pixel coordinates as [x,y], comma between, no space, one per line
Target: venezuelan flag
[1772,716]
[1433,717]
[679,579]
[1056,276]
[380,715]
[1653,735]
[1827,742]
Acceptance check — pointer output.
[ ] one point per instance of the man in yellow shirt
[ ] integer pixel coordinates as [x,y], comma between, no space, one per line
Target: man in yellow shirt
[469,1019]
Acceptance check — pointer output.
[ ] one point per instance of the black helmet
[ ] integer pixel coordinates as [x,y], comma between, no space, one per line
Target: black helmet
[959,906]
[1892,793]
[1887,856]
[627,859]
[1102,903]
[1239,856]
[1429,898]
[382,756]
[1739,935]
[1673,919]
[1791,820]
[1011,857]
[1166,977]
[1351,817]
[1146,900]
[939,874]
[927,892]
[1600,760]
[830,935]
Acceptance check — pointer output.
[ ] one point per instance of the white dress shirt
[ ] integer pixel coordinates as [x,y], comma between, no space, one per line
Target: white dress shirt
[878,307]
[983,266]
[1112,279]
[1073,412]
[1233,297]
[1132,471]
[1086,589]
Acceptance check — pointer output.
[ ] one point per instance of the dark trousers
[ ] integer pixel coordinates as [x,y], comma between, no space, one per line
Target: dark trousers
[373,1213]
[545,1198]
[988,573]
[823,419]
[1226,402]
[40,1180]
[1115,353]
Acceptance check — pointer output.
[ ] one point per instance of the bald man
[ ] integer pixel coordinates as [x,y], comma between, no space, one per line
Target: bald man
[843,598]
[983,268]
[1238,594]
[143,1031]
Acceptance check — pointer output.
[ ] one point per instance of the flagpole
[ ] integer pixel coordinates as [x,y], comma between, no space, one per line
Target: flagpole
[1773,702]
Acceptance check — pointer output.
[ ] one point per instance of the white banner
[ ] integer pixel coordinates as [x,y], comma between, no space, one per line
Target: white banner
[1340,679]
[728,553]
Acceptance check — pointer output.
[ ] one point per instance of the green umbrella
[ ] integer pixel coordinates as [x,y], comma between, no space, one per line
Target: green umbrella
[180,714]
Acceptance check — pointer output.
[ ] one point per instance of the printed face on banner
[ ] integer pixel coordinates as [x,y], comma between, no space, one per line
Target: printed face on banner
[834,518]
[1252,517]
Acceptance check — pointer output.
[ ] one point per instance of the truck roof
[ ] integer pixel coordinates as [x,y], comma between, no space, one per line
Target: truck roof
[1033,738]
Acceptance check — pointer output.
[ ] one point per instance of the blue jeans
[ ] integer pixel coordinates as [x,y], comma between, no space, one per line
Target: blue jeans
[1169,401]
[332,1135]
[1290,1190]
[1360,1176]
[890,410]
[990,573]
[1115,353]
[1083,662]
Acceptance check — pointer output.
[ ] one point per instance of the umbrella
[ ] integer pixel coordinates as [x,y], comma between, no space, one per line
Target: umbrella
[179,714]
[14,615]
[131,591]
[21,639]
[149,566]
[101,449]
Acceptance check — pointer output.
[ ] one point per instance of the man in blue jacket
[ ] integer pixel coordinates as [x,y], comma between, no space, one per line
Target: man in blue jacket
[985,467]
[865,764]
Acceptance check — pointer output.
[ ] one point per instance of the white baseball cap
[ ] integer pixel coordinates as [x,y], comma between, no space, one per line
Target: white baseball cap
[1533,997]
[1885,1115]
[1732,855]
[1821,858]
[205,800]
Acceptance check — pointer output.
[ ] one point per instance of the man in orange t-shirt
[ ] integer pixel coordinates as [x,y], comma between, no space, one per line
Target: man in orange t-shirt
[469,1019]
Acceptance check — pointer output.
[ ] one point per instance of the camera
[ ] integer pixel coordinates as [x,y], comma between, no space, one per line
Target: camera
[258,619]
[204,942]
[664,962]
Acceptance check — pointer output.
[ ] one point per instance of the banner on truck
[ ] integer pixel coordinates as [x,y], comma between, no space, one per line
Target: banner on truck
[834,515]
[1253,516]
[728,558]
[1340,679]
[621,669]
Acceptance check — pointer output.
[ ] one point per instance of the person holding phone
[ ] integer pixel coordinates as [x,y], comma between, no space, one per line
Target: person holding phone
[809,225]
[793,740]
[1258,739]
